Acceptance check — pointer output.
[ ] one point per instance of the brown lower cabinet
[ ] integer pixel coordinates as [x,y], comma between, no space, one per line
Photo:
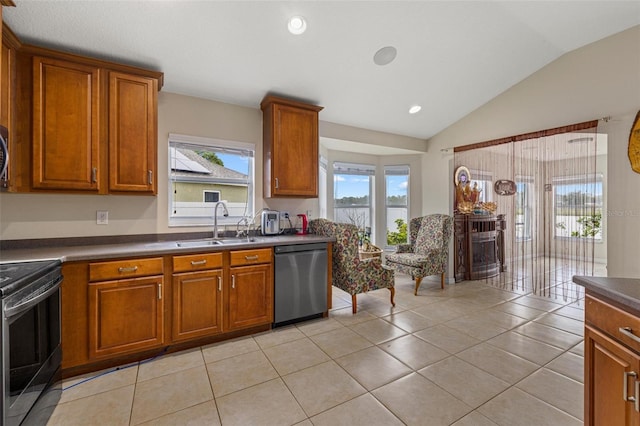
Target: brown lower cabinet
[250,296]
[197,296]
[612,366]
[119,310]
[125,316]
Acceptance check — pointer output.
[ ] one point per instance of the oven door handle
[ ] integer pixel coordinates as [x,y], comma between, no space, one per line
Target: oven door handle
[27,304]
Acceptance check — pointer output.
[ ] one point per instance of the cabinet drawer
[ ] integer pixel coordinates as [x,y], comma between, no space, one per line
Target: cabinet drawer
[611,320]
[125,269]
[250,257]
[197,262]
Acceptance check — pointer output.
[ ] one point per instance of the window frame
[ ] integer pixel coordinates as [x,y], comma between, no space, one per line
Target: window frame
[584,180]
[387,206]
[357,169]
[215,145]
[529,207]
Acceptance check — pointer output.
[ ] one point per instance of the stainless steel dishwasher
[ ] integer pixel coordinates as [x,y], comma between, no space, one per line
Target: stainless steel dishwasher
[300,282]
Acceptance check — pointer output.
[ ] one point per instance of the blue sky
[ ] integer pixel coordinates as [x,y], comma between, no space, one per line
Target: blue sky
[235,162]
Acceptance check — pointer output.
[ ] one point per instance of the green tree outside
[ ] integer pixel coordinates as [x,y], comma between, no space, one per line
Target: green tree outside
[212,157]
[399,237]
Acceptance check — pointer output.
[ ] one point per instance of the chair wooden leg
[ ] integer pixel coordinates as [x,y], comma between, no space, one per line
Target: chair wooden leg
[418,281]
[442,281]
[354,304]
[393,293]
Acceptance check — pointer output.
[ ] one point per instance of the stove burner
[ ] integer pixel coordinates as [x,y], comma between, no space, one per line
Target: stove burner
[14,276]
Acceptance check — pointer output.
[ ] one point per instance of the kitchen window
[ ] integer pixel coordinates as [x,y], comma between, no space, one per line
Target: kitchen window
[353,194]
[396,198]
[203,171]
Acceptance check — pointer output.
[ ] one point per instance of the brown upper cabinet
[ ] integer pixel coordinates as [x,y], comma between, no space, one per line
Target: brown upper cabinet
[85,125]
[290,148]
[133,133]
[66,125]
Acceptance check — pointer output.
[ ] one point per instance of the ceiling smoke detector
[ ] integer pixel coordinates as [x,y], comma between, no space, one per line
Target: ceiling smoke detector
[297,25]
[385,56]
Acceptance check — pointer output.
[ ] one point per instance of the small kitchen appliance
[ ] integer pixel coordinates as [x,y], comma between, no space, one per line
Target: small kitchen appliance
[303,228]
[270,223]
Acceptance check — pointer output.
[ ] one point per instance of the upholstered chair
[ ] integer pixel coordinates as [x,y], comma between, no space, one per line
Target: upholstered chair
[428,250]
[349,272]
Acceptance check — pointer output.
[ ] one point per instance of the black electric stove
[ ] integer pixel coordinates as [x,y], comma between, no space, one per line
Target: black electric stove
[30,337]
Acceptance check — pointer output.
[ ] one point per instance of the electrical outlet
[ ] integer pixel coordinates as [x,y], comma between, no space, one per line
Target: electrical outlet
[284,215]
[102,217]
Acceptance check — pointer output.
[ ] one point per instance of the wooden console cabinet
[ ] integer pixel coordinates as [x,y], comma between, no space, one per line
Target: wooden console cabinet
[478,246]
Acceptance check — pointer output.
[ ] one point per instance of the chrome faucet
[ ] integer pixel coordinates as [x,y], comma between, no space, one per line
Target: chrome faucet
[225,213]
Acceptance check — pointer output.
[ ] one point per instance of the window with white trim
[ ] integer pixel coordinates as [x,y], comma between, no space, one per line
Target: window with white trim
[203,171]
[524,199]
[396,204]
[577,206]
[353,194]
[210,196]
[322,187]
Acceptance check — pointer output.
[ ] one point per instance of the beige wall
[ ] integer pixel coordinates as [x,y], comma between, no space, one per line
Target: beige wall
[596,81]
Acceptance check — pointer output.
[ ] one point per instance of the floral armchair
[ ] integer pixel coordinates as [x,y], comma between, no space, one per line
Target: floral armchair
[349,272]
[428,251]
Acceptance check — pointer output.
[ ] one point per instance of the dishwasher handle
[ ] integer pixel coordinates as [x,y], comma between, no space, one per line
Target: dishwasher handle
[296,248]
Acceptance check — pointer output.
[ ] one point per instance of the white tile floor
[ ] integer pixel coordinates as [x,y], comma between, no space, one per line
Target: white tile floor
[476,353]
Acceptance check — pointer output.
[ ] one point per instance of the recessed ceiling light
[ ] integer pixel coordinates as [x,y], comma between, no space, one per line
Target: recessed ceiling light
[385,55]
[414,109]
[297,25]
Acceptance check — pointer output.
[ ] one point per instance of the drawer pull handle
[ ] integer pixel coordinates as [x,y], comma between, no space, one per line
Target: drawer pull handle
[159,291]
[219,283]
[150,177]
[625,382]
[233,281]
[127,269]
[199,262]
[255,257]
[628,331]
[94,175]
[277,183]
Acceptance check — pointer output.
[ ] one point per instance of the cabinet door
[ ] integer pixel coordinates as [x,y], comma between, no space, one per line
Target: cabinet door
[294,152]
[132,133]
[66,132]
[197,304]
[610,368]
[125,316]
[250,296]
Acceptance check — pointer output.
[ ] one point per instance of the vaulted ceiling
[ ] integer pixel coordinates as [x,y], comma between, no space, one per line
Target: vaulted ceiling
[452,56]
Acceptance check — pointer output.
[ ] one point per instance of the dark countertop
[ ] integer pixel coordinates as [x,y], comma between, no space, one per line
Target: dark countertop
[141,249]
[624,291]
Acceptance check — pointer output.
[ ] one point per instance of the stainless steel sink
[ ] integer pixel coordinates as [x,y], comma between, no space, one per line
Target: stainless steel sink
[210,242]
